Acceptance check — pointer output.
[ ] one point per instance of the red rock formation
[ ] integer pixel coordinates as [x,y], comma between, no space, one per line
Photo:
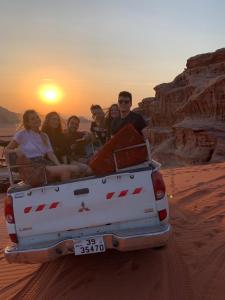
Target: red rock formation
[191,110]
[206,59]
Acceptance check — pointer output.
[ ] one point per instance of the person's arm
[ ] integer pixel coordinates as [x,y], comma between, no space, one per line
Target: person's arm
[53,158]
[87,136]
[65,149]
[146,133]
[93,133]
[93,138]
[143,127]
[16,141]
[92,126]
[12,145]
[49,151]
[64,159]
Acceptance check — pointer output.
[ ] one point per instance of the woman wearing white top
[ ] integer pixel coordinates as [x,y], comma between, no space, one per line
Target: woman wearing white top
[35,145]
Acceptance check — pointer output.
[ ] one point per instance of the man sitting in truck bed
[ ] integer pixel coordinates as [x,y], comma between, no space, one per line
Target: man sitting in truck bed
[78,142]
[127,116]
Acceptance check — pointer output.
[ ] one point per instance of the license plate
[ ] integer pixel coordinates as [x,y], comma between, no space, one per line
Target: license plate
[89,246]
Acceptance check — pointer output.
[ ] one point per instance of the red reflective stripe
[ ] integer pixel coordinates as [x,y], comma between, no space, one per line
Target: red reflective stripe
[137,190]
[40,207]
[109,195]
[53,205]
[123,193]
[27,209]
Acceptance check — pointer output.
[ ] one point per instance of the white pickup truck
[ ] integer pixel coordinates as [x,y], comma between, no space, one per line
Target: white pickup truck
[126,210]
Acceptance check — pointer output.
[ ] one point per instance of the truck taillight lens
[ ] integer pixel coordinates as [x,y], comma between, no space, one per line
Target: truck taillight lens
[9,215]
[158,185]
[162,214]
[13,237]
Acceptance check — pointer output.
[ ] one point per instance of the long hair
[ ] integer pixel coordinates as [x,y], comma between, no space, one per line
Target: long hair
[98,119]
[26,126]
[26,116]
[46,127]
[95,106]
[108,113]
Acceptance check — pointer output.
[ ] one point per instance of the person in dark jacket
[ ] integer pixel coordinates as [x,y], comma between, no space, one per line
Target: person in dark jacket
[129,117]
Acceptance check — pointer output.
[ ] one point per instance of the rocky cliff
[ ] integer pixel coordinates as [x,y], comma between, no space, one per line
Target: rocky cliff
[188,114]
[7,117]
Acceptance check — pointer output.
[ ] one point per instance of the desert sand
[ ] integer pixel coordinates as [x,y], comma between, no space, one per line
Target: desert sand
[192,266]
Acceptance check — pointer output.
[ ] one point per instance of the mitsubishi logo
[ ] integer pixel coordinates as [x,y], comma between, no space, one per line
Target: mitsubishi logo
[83,208]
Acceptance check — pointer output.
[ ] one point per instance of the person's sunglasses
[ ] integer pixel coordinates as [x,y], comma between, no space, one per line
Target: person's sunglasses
[124,101]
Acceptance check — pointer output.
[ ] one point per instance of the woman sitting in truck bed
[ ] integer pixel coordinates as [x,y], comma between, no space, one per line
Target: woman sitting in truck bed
[52,126]
[35,145]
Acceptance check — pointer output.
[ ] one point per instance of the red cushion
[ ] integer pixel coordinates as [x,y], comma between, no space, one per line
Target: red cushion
[103,163]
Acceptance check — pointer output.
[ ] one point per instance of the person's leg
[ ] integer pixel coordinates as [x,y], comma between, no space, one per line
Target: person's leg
[84,170]
[64,172]
[82,160]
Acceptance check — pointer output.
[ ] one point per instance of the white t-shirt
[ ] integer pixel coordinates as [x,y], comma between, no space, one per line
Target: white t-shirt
[31,143]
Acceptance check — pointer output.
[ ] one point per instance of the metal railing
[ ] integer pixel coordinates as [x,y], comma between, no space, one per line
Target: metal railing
[3,145]
[13,167]
[145,144]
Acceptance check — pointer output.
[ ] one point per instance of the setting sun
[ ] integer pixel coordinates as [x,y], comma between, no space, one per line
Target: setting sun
[50,94]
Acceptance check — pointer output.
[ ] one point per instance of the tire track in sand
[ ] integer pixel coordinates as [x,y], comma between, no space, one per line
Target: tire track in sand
[146,274]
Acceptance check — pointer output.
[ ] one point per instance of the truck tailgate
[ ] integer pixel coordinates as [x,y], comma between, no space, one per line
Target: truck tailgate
[85,203]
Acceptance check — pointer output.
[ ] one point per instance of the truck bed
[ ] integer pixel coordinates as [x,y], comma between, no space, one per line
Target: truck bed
[119,210]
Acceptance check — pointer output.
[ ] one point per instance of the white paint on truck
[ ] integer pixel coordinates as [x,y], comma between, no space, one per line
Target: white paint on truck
[127,210]
[110,199]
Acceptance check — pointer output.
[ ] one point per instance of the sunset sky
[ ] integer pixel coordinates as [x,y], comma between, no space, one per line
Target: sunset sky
[92,49]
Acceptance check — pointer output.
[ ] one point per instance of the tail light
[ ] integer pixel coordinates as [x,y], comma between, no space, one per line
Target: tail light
[13,237]
[158,185]
[9,216]
[162,214]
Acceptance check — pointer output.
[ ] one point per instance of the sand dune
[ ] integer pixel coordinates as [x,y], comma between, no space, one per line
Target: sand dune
[12,277]
[192,266]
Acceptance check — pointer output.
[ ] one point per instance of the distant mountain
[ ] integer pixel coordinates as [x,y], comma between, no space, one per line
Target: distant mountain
[7,117]
[66,117]
[84,120]
[11,118]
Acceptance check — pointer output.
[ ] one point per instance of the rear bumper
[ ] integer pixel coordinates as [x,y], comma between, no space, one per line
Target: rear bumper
[123,241]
